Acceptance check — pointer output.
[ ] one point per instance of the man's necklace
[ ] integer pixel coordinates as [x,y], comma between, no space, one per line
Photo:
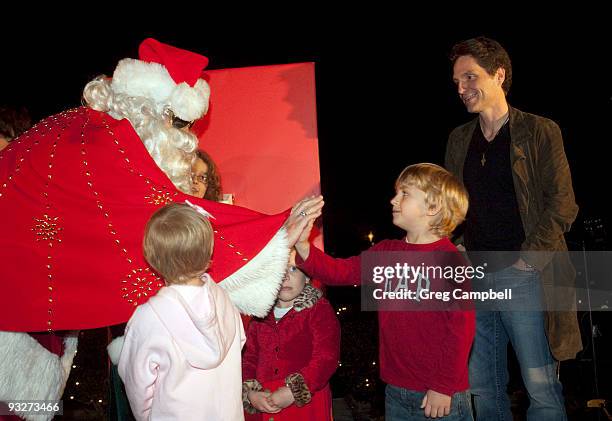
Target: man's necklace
[483,159]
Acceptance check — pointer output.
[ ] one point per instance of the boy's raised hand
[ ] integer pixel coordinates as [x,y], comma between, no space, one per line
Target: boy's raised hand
[436,405]
[262,402]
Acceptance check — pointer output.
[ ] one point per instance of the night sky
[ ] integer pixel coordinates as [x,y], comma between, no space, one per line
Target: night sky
[385,99]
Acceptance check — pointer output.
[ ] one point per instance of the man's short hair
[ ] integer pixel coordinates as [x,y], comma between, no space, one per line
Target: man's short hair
[488,53]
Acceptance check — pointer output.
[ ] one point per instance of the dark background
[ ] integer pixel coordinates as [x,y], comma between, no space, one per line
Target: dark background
[385,100]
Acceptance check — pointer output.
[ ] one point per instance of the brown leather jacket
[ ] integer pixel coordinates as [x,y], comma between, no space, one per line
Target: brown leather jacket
[547,206]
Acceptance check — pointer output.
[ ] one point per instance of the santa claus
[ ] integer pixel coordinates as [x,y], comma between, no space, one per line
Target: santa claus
[75,194]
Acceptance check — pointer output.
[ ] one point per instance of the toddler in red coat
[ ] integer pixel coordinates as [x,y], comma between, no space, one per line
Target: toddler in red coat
[291,354]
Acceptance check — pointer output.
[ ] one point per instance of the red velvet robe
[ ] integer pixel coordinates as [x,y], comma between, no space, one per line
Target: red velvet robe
[75,194]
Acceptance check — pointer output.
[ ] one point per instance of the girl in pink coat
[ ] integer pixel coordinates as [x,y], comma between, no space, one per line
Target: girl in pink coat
[181,355]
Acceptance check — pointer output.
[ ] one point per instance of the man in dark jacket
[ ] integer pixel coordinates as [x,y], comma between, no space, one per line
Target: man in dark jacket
[521,202]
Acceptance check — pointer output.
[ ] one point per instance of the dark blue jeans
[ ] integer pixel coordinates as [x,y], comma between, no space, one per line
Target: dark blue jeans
[405,405]
[523,326]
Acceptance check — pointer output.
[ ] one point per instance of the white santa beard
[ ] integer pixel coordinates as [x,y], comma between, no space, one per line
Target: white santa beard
[173,151]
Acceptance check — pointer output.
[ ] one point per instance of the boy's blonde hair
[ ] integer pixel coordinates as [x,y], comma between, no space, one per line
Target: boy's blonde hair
[441,189]
[178,243]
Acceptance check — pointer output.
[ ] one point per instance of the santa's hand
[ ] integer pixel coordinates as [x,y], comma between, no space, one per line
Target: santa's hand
[302,217]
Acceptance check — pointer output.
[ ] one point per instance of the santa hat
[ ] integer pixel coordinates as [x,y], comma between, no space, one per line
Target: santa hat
[167,75]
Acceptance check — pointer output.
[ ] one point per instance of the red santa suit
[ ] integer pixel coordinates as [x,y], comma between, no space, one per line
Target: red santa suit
[76,191]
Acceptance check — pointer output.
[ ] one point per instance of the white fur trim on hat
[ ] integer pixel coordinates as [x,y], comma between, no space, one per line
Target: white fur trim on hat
[189,103]
[152,80]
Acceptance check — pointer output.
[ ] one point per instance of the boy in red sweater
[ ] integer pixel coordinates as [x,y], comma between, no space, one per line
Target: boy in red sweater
[423,354]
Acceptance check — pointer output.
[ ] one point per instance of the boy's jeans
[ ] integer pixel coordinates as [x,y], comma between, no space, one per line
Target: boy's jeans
[525,330]
[405,405]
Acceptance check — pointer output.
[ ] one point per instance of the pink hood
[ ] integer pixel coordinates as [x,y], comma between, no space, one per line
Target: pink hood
[203,326]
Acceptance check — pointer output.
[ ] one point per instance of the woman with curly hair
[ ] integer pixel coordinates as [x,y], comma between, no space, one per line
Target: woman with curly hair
[205,178]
